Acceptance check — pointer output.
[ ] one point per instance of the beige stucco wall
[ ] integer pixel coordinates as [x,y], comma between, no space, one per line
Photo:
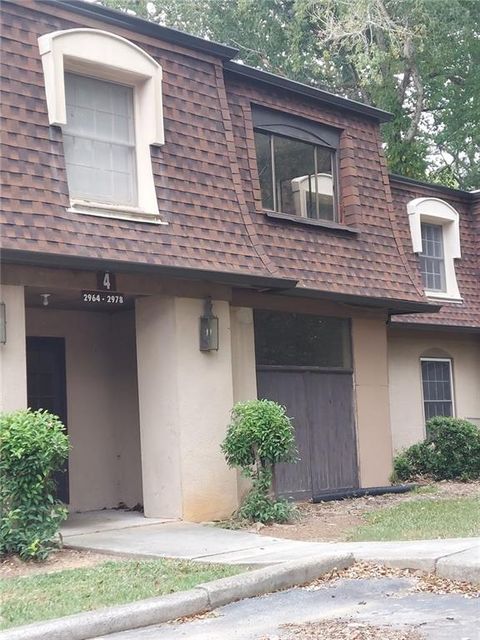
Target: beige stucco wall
[374,440]
[102,404]
[185,397]
[405,348]
[243,369]
[13,369]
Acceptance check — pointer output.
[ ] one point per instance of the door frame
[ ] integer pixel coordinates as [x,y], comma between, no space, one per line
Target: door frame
[57,346]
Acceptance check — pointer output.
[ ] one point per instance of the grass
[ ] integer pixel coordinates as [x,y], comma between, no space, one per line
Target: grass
[45,596]
[422,520]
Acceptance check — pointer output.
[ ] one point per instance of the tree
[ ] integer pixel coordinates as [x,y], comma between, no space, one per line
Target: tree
[419,59]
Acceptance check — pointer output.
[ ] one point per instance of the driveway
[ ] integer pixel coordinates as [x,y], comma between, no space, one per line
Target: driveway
[381,602]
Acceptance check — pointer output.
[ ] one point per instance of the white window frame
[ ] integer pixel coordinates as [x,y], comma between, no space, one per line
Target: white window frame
[438,212]
[452,386]
[440,260]
[106,56]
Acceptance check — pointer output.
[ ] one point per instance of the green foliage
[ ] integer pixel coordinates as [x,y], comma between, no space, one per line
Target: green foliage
[33,446]
[422,519]
[259,506]
[451,450]
[30,599]
[260,435]
[456,446]
[415,58]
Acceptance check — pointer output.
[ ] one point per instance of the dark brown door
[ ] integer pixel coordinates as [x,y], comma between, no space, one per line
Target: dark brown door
[46,388]
[304,363]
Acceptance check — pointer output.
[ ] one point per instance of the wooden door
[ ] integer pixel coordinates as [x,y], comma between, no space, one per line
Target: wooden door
[46,388]
[332,432]
[287,387]
[305,365]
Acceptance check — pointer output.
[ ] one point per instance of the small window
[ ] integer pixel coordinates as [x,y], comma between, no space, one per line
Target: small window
[432,259]
[296,177]
[435,231]
[99,141]
[437,387]
[301,340]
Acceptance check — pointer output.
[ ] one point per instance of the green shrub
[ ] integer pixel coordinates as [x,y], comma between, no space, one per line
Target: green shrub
[456,445]
[259,436]
[450,451]
[33,446]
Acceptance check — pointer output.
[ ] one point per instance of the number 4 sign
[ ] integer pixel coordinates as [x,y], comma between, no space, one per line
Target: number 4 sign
[106,281]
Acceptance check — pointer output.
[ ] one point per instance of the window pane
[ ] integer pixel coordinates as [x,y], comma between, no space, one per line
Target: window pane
[432,263]
[437,388]
[302,174]
[301,340]
[324,185]
[294,164]
[99,141]
[264,164]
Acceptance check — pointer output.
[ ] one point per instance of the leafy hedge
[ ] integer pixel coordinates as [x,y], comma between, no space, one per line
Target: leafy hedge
[259,436]
[450,451]
[33,446]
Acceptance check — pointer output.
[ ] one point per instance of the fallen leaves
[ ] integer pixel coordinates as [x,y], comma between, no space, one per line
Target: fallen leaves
[423,582]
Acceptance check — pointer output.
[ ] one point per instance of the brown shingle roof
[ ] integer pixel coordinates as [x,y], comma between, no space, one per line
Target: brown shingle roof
[205,177]
[467,269]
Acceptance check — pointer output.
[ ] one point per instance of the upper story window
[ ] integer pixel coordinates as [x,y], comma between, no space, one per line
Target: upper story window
[296,163]
[106,95]
[99,141]
[435,231]
[432,261]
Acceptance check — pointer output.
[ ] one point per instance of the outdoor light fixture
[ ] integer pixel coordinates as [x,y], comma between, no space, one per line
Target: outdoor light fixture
[208,328]
[45,299]
[3,323]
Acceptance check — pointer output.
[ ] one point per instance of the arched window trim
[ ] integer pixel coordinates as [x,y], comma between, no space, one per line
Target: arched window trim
[439,212]
[106,56]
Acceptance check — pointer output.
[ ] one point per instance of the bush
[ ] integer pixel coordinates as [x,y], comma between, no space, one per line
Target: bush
[259,436]
[33,446]
[450,451]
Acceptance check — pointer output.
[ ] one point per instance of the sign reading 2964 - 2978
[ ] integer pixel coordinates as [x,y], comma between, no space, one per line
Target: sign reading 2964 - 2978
[103,298]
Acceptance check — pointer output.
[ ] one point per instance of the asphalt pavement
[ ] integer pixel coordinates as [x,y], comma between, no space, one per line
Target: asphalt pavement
[380,602]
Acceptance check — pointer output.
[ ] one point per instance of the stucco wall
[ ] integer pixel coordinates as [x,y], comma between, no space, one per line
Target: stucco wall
[13,372]
[405,348]
[185,397]
[243,369]
[369,342]
[102,404]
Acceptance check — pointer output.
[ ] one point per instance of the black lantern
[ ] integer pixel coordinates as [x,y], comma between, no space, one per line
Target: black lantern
[208,328]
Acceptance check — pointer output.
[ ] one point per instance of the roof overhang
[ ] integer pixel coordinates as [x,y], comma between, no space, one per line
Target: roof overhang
[145,27]
[54,260]
[391,305]
[422,326]
[320,95]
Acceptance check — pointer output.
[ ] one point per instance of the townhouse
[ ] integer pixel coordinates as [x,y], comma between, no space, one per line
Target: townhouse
[181,232]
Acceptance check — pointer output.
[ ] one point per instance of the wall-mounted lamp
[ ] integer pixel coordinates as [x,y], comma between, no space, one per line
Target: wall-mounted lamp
[208,328]
[45,299]
[3,323]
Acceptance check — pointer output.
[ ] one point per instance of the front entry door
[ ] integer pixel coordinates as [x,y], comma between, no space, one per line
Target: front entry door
[46,388]
[304,364]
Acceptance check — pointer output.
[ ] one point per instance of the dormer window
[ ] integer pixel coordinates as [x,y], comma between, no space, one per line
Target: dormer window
[106,95]
[435,231]
[432,261]
[296,162]
[99,141]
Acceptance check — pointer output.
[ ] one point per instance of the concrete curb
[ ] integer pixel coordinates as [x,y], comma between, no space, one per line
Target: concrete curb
[204,597]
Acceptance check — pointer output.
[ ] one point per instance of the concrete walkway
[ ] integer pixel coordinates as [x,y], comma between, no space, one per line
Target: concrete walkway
[129,533]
